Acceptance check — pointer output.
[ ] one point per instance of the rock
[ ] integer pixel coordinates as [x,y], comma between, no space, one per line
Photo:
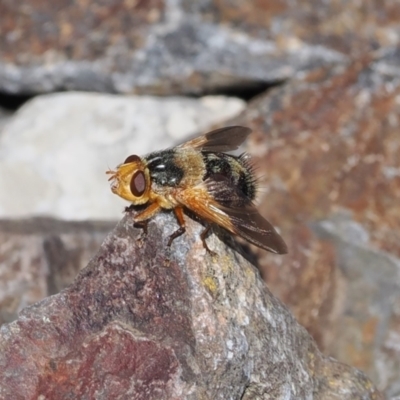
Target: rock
[142,322]
[181,47]
[5,116]
[350,28]
[40,257]
[327,148]
[55,151]
[369,304]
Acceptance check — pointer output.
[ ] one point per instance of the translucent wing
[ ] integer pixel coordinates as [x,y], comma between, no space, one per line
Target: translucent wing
[223,204]
[219,140]
[250,225]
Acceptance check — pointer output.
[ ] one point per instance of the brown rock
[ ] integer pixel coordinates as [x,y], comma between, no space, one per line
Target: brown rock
[349,27]
[142,322]
[169,47]
[39,257]
[163,47]
[327,147]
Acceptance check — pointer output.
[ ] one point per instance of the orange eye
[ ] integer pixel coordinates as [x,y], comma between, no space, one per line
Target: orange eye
[138,183]
[132,158]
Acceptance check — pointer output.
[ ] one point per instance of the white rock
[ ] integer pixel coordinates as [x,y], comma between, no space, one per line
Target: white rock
[55,150]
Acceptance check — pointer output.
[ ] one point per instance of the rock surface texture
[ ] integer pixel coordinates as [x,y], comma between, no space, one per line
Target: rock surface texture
[39,257]
[175,47]
[142,322]
[326,142]
[327,147]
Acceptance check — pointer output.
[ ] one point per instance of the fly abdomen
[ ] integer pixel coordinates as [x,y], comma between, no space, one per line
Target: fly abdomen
[236,169]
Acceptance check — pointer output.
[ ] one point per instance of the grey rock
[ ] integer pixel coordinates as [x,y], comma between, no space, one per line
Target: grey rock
[372,300]
[144,322]
[326,145]
[155,47]
[40,257]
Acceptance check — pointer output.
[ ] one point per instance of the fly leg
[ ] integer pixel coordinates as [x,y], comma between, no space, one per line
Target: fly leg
[142,225]
[141,220]
[203,237]
[147,213]
[181,221]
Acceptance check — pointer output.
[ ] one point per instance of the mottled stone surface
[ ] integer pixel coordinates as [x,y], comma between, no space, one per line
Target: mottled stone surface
[327,147]
[56,149]
[174,47]
[327,144]
[171,46]
[40,257]
[141,322]
[352,28]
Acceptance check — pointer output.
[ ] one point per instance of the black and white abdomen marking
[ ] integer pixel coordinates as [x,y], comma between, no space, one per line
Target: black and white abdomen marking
[163,169]
[236,169]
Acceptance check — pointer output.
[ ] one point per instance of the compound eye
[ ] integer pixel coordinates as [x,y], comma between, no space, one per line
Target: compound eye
[138,183]
[132,159]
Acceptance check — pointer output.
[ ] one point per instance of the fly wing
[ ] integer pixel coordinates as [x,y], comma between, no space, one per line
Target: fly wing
[222,203]
[219,140]
[250,225]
